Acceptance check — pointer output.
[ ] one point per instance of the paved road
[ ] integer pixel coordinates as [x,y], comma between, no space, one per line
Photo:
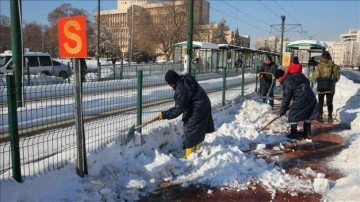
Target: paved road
[352,75]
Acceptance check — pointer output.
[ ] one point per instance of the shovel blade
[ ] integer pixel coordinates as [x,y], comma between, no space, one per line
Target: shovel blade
[131,134]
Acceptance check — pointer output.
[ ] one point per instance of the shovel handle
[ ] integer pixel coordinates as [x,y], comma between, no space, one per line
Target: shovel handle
[272,75]
[270,122]
[146,123]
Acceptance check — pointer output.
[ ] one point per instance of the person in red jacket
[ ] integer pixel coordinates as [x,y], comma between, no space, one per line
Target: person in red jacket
[294,67]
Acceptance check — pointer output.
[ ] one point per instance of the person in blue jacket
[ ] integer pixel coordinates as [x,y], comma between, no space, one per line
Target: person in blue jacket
[192,101]
[296,88]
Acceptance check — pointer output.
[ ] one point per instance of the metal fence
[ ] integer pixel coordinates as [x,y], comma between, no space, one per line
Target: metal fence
[46,122]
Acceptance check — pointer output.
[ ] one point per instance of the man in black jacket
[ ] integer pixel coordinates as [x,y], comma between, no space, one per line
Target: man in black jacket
[296,87]
[192,101]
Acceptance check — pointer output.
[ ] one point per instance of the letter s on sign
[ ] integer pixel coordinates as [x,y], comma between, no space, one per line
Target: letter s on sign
[72,36]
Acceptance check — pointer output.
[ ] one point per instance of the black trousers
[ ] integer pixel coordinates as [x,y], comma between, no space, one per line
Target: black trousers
[329,102]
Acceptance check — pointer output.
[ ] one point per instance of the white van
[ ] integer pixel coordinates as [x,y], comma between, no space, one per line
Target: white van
[35,62]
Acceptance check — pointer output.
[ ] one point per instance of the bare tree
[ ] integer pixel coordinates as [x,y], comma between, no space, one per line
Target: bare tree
[64,10]
[173,27]
[107,46]
[236,41]
[33,36]
[5,33]
[220,33]
[143,44]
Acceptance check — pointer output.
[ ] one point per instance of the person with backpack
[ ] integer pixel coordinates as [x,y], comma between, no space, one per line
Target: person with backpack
[326,74]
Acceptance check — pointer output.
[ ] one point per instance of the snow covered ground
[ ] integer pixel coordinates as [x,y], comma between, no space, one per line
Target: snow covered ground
[127,172]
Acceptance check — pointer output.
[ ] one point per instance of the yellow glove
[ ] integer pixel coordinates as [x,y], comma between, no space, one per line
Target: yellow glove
[259,75]
[159,116]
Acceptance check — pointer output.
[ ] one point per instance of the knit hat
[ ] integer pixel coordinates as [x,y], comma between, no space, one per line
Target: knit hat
[296,59]
[326,55]
[279,73]
[171,77]
[269,57]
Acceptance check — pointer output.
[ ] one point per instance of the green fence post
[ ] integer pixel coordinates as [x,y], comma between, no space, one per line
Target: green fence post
[13,128]
[256,79]
[69,70]
[121,69]
[193,72]
[99,71]
[114,71]
[139,98]
[28,73]
[17,49]
[243,80]
[224,88]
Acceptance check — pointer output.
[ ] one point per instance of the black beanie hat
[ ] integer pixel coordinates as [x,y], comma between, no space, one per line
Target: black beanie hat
[269,57]
[279,73]
[171,77]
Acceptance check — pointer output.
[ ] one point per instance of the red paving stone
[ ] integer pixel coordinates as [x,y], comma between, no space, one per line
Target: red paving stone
[314,155]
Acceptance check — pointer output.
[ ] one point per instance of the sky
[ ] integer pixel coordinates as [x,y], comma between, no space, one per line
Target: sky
[220,162]
[320,20]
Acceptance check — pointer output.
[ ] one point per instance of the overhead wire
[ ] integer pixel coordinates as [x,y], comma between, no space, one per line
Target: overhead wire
[269,9]
[238,19]
[240,11]
[287,14]
[304,33]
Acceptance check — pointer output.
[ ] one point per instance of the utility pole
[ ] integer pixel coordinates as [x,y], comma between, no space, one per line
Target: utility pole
[98,41]
[131,35]
[282,30]
[189,35]
[282,37]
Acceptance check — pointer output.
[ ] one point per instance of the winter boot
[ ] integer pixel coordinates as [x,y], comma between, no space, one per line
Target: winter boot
[264,100]
[307,130]
[293,131]
[330,118]
[319,118]
[271,103]
[188,151]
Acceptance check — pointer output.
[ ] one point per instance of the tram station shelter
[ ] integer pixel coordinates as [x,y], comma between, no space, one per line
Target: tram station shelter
[204,55]
[314,48]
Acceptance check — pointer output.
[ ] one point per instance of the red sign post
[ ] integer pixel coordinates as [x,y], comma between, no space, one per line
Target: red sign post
[72,37]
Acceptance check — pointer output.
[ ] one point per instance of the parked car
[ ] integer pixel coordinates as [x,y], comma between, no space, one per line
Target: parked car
[60,69]
[35,63]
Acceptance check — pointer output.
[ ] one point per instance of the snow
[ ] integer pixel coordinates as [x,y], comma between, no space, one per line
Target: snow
[128,172]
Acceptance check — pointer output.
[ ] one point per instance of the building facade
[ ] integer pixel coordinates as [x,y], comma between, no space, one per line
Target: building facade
[272,43]
[336,50]
[127,22]
[345,52]
[351,48]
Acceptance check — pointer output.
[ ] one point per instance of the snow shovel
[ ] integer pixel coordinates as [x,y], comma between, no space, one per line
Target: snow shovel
[272,84]
[131,133]
[270,122]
